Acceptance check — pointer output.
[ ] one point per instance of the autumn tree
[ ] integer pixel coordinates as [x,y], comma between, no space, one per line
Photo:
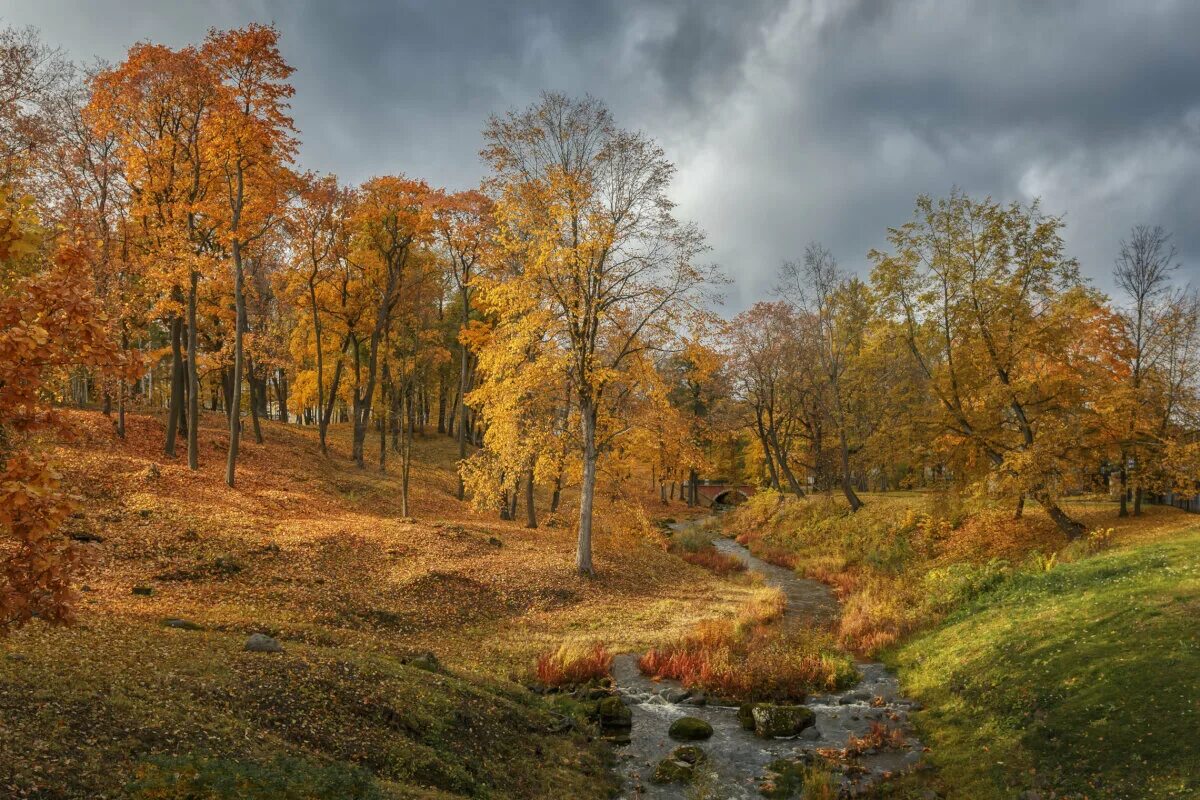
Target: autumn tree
[49,322]
[317,228]
[463,223]
[153,105]
[583,205]
[838,310]
[999,322]
[250,143]
[771,380]
[390,219]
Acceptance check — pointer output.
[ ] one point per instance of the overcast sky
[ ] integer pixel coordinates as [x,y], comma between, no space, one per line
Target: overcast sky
[789,120]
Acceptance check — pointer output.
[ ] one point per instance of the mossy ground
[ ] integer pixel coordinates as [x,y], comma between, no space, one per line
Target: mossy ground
[312,551]
[1084,680]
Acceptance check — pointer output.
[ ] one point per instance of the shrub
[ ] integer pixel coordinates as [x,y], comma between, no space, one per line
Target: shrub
[878,614]
[951,586]
[758,510]
[1095,542]
[879,736]
[197,778]
[747,659]
[711,559]
[573,663]
[819,784]
[692,539]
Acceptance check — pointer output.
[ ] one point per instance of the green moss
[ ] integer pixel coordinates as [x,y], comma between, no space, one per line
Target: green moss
[690,729]
[670,770]
[1082,680]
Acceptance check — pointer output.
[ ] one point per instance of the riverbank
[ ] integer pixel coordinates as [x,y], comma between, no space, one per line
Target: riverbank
[1046,669]
[152,693]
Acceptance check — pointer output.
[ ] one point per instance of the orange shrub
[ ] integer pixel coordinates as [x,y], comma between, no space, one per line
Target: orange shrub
[750,660]
[573,663]
[717,562]
[878,737]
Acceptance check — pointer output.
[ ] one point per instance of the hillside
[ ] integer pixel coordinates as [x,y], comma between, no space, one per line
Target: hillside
[1083,681]
[1046,668]
[310,550]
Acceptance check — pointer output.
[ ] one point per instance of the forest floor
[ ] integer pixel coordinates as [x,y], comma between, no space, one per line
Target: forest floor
[312,551]
[1047,669]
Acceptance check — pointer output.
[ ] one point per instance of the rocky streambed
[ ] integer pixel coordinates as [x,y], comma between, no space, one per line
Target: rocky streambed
[734,762]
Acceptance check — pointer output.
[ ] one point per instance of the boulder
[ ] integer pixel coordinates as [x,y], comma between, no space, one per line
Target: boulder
[425,660]
[182,624]
[611,712]
[670,770]
[745,715]
[773,721]
[674,695]
[690,729]
[261,643]
[689,754]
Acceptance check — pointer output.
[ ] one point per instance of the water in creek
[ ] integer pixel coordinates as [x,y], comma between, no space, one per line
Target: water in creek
[737,759]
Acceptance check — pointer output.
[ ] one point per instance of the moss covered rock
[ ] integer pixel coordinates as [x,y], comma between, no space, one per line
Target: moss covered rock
[611,712]
[745,715]
[671,770]
[690,729]
[771,721]
[689,754]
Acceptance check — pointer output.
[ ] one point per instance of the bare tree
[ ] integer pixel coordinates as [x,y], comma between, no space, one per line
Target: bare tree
[1143,272]
[823,291]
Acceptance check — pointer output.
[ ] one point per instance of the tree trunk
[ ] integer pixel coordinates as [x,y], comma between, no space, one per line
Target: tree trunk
[1138,494]
[556,495]
[1062,521]
[766,447]
[176,407]
[385,388]
[121,410]
[1020,512]
[587,489]
[847,486]
[227,393]
[462,393]
[281,393]
[530,511]
[257,390]
[1124,512]
[235,403]
[786,468]
[193,440]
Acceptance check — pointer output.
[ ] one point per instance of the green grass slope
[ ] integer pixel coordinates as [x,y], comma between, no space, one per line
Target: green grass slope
[1083,681]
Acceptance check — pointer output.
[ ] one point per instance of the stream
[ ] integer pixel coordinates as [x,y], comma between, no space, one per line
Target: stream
[737,759]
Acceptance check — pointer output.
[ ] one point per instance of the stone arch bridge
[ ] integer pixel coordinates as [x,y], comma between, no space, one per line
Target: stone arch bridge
[719,492]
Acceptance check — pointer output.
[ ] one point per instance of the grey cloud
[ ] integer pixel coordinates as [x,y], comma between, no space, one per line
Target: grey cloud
[790,120]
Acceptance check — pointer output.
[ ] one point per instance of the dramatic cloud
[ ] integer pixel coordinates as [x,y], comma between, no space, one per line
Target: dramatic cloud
[789,121]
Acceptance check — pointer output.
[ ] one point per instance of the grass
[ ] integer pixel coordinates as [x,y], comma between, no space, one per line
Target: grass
[1083,680]
[694,544]
[573,663]
[751,659]
[314,552]
[716,562]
